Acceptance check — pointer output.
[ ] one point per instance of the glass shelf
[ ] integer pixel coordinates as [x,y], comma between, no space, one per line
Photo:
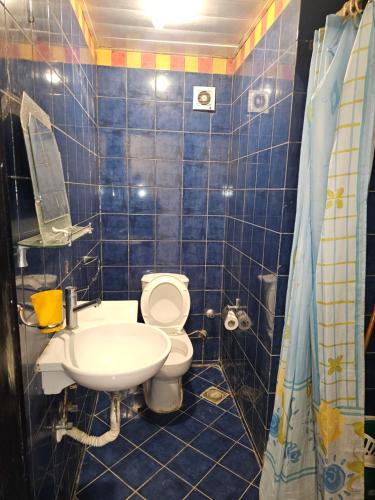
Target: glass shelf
[60,242]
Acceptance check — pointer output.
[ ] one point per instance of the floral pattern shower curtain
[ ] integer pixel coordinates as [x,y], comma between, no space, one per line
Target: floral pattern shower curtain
[315,447]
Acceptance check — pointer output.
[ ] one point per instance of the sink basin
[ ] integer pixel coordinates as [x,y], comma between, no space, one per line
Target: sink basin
[109,351]
[115,357]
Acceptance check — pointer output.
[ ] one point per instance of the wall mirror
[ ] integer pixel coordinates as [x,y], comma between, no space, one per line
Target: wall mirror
[46,170]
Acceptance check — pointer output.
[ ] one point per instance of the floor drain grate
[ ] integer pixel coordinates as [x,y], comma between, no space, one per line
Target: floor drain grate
[214,395]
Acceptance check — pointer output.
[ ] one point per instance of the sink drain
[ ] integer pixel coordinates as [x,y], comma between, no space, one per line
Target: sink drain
[214,395]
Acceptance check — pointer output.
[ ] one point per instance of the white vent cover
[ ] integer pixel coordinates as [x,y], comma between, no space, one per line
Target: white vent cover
[204,98]
[258,101]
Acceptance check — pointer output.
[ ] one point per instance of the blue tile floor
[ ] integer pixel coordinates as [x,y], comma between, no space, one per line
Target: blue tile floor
[201,451]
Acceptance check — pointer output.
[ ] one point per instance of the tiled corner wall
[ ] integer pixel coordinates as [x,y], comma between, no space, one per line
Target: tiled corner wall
[163,175]
[260,216]
[66,91]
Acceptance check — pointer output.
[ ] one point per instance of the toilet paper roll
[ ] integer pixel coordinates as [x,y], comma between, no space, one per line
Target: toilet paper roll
[230,321]
[244,322]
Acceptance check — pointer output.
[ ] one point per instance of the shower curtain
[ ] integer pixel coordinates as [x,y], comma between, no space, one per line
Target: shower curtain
[316,439]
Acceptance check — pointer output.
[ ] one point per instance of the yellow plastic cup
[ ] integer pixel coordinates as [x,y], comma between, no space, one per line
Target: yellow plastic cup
[48,307]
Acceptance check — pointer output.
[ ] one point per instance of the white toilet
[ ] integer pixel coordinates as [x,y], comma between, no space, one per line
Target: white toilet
[165,303]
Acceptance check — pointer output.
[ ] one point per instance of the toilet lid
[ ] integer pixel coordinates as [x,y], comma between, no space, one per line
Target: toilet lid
[165,302]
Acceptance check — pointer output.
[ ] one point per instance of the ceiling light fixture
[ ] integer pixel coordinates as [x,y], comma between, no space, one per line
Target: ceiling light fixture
[171,12]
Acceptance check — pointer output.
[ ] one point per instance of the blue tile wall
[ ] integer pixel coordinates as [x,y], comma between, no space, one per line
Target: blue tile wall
[163,175]
[67,92]
[260,212]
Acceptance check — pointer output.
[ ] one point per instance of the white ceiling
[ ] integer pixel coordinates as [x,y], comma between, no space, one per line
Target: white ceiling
[218,31]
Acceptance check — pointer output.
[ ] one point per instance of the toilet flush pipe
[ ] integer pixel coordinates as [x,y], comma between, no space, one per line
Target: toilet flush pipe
[105,438]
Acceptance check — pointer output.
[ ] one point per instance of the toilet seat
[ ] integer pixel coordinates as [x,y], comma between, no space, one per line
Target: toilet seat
[165,303]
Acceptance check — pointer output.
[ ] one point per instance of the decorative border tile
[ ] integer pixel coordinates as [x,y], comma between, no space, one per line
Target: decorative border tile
[168,62]
[261,28]
[44,52]
[147,60]
[193,64]
[89,39]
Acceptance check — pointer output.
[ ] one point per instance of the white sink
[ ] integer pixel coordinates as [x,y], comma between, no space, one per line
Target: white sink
[115,357]
[103,355]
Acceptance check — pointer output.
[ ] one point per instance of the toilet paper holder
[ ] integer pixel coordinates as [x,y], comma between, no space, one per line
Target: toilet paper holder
[210,313]
[244,321]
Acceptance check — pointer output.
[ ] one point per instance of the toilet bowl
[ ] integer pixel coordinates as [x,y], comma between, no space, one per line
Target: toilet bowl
[165,303]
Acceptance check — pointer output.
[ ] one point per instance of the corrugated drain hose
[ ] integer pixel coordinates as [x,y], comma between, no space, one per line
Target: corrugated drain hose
[105,438]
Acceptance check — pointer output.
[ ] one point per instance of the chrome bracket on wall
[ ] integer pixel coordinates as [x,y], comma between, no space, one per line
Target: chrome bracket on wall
[243,319]
[24,321]
[210,313]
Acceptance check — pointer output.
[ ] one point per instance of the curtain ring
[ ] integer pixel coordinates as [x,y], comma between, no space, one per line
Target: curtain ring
[358,6]
[345,10]
[352,8]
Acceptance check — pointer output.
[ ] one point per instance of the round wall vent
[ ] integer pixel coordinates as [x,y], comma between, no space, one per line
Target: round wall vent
[204,98]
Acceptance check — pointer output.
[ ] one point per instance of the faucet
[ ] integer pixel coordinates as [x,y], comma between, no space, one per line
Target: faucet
[71,307]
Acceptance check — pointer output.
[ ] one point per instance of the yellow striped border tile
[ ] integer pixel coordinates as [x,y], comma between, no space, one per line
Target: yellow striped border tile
[147,60]
[89,39]
[196,64]
[163,61]
[167,62]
